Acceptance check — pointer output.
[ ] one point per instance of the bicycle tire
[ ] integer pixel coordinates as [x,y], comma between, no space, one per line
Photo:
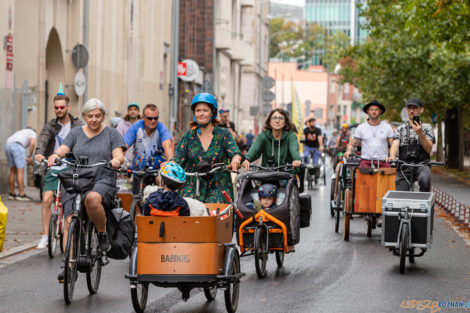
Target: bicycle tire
[332,197]
[403,247]
[347,210]
[210,293]
[71,260]
[232,292]
[261,253]
[93,277]
[139,294]
[53,234]
[280,258]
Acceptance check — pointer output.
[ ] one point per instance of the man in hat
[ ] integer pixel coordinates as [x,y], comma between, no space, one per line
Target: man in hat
[374,136]
[313,141]
[132,116]
[413,142]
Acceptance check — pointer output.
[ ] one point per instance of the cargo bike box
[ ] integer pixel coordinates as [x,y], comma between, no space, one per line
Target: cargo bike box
[421,209]
[186,252]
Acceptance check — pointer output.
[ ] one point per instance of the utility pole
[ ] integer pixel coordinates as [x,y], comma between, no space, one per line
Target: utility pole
[173,90]
[85,42]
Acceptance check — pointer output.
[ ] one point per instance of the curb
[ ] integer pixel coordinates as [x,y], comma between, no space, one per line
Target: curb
[18,249]
[438,171]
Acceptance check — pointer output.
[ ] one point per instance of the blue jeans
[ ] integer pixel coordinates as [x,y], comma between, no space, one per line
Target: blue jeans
[310,151]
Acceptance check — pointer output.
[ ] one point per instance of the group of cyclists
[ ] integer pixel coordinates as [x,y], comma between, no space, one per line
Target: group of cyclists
[210,141]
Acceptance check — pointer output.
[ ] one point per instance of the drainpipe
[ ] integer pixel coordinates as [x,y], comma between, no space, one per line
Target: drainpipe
[85,43]
[173,90]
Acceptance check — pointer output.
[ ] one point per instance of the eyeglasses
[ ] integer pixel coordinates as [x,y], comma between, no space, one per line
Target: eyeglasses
[152,118]
[279,118]
[224,111]
[59,107]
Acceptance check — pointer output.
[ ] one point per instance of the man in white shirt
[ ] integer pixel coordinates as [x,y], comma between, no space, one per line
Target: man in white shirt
[374,136]
[15,150]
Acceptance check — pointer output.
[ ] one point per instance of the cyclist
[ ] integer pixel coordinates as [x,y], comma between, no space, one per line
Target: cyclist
[152,143]
[343,138]
[132,116]
[413,142]
[97,142]
[50,139]
[277,142]
[207,142]
[226,123]
[313,141]
[374,136]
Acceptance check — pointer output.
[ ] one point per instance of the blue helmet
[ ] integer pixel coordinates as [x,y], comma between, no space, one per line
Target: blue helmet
[173,175]
[205,98]
[267,190]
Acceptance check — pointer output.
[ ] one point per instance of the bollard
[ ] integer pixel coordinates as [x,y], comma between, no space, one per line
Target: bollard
[461,212]
[467,217]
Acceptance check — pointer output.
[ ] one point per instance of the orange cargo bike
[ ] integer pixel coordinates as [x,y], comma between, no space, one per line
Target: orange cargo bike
[363,194]
[186,252]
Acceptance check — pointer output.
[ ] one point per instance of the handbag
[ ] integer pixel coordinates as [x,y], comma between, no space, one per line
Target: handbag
[78,180]
[121,231]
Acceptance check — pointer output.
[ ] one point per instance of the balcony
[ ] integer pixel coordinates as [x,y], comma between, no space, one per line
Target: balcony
[247,3]
[241,50]
[223,34]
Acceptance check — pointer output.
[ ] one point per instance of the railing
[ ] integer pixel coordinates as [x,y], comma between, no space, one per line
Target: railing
[460,211]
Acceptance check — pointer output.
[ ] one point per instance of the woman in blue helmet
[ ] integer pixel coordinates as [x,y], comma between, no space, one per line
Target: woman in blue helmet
[207,142]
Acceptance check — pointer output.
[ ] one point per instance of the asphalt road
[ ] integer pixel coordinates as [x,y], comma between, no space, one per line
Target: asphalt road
[325,274]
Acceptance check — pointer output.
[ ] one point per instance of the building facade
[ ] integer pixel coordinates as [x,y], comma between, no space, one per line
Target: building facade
[128,44]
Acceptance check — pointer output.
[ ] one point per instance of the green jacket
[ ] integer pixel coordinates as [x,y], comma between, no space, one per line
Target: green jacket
[281,151]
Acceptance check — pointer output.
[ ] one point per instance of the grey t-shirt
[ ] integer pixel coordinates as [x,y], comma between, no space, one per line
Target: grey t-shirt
[97,149]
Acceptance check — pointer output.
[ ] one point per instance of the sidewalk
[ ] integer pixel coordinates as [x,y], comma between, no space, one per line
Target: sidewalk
[24,223]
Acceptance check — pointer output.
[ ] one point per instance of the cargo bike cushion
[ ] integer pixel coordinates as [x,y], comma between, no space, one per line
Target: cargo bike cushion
[78,180]
[287,211]
[371,184]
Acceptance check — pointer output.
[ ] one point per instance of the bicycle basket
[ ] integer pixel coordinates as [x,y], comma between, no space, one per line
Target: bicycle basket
[78,180]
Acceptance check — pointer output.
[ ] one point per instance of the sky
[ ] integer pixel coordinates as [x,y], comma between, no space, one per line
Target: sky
[293,2]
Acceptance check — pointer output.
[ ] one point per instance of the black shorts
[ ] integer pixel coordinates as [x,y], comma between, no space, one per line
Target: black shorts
[107,192]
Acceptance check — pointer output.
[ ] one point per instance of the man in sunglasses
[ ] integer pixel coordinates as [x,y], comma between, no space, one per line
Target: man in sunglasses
[50,139]
[152,143]
[226,123]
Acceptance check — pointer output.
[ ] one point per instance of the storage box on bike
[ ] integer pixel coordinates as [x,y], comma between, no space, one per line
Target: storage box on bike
[421,214]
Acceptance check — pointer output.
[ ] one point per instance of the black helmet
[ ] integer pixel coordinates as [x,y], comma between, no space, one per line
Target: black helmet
[267,190]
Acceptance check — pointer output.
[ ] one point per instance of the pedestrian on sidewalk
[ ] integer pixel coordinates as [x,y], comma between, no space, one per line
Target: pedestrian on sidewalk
[50,139]
[15,151]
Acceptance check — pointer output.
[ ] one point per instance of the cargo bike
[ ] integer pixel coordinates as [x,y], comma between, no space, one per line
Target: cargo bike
[187,252]
[360,192]
[316,171]
[408,218]
[262,232]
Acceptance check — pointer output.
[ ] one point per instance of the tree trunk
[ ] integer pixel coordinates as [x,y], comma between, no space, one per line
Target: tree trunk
[439,155]
[454,138]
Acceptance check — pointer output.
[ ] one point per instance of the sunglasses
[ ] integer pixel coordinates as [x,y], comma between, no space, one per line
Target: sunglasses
[224,111]
[150,118]
[59,107]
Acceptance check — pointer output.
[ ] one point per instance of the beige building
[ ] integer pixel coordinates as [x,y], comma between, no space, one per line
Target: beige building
[129,60]
[242,43]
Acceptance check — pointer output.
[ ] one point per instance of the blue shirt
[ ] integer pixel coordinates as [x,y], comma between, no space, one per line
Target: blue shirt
[249,139]
[148,150]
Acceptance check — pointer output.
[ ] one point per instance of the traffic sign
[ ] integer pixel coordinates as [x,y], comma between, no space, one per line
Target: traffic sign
[268,96]
[79,83]
[268,82]
[79,55]
[188,70]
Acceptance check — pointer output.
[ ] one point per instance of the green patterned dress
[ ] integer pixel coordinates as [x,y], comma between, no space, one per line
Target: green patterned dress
[189,152]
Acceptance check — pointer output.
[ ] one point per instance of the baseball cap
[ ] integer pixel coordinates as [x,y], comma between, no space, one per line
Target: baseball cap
[133,104]
[414,102]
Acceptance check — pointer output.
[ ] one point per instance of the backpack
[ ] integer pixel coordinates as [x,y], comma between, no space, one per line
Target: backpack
[121,231]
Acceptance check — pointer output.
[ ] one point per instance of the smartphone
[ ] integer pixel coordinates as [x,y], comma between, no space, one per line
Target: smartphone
[416,119]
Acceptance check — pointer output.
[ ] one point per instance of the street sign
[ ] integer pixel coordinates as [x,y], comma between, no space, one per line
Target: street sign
[268,82]
[79,55]
[268,96]
[79,83]
[191,72]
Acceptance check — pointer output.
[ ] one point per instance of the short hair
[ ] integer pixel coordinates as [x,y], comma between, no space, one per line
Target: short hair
[93,104]
[62,97]
[287,126]
[152,107]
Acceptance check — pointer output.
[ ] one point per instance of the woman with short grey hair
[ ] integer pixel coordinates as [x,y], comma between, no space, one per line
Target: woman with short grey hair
[97,142]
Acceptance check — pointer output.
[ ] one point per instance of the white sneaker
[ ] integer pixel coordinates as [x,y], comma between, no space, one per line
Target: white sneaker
[42,243]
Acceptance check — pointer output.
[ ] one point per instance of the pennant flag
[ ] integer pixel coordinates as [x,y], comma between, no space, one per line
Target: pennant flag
[297,116]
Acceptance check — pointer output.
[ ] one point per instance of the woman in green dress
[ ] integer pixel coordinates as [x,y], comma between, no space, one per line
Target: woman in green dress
[207,142]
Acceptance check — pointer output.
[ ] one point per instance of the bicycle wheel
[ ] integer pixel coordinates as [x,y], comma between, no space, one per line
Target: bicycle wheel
[261,253]
[309,181]
[411,258]
[280,258]
[369,227]
[139,293]
[347,210]
[71,260]
[403,247]
[135,205]
[338,204]
[53,235]
[232,292]
[210,293]
[332,197]
[93,277]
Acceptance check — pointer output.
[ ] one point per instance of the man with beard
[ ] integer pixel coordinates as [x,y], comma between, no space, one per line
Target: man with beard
[133,115]
[51,137]
[374,136]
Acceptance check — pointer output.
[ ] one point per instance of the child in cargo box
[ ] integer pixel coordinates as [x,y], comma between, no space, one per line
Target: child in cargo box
[166,201]
[267,194]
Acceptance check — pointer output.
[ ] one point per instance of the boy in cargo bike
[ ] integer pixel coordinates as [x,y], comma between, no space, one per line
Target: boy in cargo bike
[187,252]
[368,181]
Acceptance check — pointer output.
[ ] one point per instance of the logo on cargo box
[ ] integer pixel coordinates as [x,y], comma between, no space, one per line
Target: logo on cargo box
[175,258]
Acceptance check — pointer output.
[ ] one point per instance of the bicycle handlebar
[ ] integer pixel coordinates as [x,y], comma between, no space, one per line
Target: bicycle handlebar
[396,163]
[103,163]
[276,168]
[217,167]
